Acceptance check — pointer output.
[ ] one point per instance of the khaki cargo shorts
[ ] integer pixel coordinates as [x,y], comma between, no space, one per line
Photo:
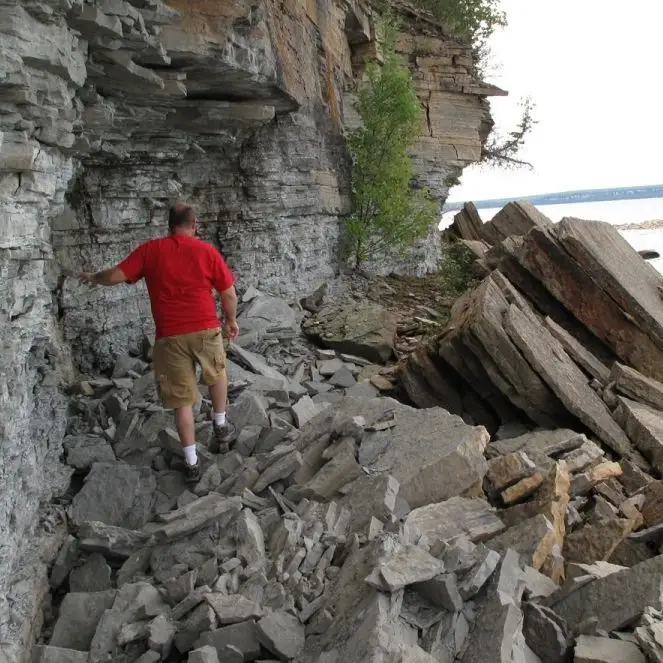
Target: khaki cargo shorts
[175,358]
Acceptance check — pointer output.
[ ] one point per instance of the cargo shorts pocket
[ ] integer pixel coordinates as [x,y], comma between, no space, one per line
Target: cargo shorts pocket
[213,359]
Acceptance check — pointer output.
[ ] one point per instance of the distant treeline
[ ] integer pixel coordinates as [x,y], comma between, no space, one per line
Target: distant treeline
[566,197]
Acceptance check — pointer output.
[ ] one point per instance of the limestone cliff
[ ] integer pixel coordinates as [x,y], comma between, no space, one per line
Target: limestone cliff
[109,109]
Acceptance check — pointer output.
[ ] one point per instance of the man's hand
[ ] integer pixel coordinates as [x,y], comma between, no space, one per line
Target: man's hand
[231,328]
[112,276]
[87,277]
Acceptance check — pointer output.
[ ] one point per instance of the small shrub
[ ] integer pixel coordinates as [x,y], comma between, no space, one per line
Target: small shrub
[387,211]
[456,272]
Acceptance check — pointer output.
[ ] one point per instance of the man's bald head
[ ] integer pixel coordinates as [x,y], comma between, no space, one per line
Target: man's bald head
[181,217]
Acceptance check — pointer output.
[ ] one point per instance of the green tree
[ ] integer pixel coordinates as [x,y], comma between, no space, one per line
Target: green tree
[387,211]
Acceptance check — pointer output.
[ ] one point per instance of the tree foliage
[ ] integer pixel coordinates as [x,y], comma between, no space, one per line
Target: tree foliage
[476,19]
[387,211]
[503,151]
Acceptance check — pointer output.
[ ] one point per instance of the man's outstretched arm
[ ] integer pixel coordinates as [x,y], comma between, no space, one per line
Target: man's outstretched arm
[112,276]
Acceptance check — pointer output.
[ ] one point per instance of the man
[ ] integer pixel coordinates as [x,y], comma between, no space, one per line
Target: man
[181,271]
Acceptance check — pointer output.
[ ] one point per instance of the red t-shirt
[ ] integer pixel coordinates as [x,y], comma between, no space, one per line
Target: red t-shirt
[180,272]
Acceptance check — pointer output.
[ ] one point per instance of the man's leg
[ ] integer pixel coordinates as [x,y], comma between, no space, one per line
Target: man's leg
[176,381]
[186,429]
[212,360]
[219,394]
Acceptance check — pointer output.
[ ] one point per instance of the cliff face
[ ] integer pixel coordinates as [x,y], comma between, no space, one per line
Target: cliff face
[111,109]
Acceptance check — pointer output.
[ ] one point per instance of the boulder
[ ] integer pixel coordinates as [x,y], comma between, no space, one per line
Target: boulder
[78,618]
[434,455]
[115,494]
[616,600]
[367,330]
[592,649]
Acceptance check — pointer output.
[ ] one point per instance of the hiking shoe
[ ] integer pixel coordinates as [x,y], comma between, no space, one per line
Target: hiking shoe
[192,473]
[224,436]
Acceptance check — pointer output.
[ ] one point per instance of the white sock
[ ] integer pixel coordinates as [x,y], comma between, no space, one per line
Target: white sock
[220,418]
[190,455]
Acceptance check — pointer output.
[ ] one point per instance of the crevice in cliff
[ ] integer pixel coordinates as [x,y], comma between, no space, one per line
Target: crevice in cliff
[428,121]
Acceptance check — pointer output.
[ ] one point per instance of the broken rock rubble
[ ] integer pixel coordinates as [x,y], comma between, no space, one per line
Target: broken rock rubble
[342,526]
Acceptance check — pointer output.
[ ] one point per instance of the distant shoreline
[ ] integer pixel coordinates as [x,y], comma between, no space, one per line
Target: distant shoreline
[643,225]
[570,197]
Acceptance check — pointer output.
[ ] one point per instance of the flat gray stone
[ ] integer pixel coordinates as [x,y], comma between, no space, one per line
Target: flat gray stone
[362,391]
[371,497]
[83,451]
[206,654]
[93,576]
[233,609]
[564,378]
[442,591]
[281,469]
[115,494]
[444,521]
[547,442]
[265,312]
[343,378]
[408,565]
[249,409]
[111,540]
[479,575]
[243,636]
[195,516]
[496,631]
[591,649]
[304,410]
[332,476]
[64,562]
[78,618]
[329,367]
[58,655]
[616,600]
[546,633]
[250,541]
[445,457]
[282,634]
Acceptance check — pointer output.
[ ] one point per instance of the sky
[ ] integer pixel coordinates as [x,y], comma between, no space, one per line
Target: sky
[593,70]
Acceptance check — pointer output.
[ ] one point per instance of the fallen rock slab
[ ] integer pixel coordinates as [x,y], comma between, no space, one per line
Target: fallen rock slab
[615,601]
[111,541]
[637,386]
[434,455]
[592,649]
[367,330]
[78,619]
[115,494]
[596,542]
[496,631]
[407,566]
[546,633]
[242,636]
[564,378]
[282,634]
[644,426]
[447,520]
[57,655]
